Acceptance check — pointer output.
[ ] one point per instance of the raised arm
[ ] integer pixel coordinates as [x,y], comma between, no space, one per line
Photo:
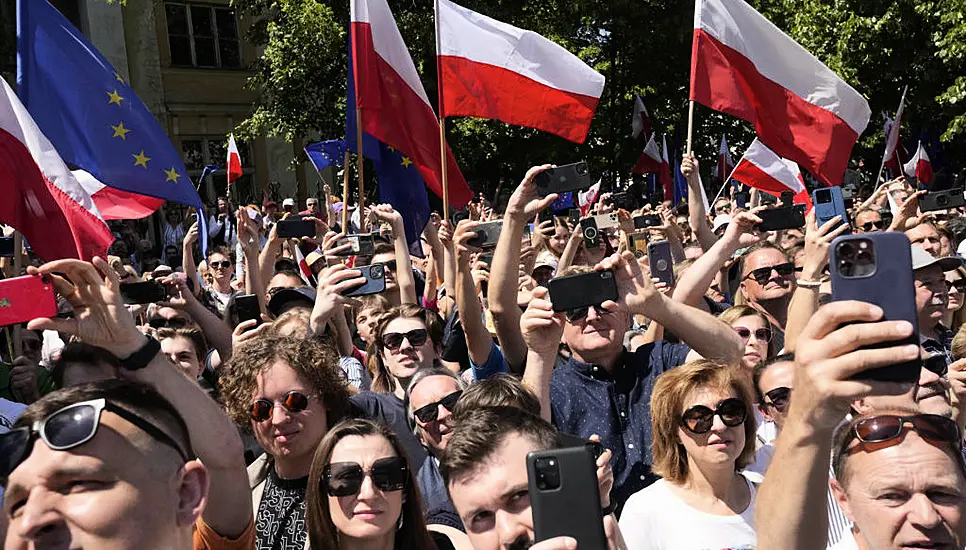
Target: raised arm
[404,270]
[188,255]
[248,241]
[697,215]
[217,332]
[478,340]
[542,330]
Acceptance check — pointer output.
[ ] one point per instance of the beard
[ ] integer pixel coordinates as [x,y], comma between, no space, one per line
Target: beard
[522,543]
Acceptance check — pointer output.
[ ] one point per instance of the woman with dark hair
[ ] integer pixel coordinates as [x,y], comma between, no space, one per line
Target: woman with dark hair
[362,493]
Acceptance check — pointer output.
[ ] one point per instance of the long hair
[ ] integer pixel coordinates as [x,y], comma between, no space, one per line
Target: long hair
[413,535]
[382,380]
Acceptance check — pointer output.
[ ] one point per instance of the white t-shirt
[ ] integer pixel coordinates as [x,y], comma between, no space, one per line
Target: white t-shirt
[657,519]
[847,542]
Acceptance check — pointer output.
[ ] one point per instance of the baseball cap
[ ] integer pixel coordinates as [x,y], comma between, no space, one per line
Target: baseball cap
[288,202]
[266,204]
[287,298]
[922,259]
[720,221]
[313,257]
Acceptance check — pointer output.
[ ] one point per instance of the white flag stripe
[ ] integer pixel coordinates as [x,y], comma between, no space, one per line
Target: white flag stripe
[389,45]
[783,170]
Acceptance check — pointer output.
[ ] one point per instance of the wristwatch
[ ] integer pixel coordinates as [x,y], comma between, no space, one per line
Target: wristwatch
[142,357]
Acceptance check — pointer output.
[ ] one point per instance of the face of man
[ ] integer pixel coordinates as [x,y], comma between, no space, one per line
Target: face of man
[909,494]
[404,361]
[435,433]
[776,287]
[312,205]
[181,351]
[494,502]
[868,221]
[282,280]
[222,206]
[777,375]
[930,395]
[383,258]
[931,296]
[599,334]
[926,236]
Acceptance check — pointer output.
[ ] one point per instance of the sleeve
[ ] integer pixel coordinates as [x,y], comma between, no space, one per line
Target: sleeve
[495,364]
[359,355]
[205,538]
[635,525]
[352,369]
[214,226]
[667,356]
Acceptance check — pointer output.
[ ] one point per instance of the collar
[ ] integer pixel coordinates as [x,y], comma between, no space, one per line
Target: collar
[596,370]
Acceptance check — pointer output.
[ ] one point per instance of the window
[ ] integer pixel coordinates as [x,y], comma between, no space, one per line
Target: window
[199,152]
[202,36]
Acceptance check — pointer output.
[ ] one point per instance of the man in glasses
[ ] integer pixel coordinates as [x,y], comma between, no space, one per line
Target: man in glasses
[932,298]
[767,283]
[868,221]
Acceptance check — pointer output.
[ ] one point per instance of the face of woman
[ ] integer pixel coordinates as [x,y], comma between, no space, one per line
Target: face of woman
[756,346]
[370,513]
[954,282]
[721,444]
[558,242]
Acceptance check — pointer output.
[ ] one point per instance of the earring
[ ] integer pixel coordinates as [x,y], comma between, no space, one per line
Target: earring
[400,524]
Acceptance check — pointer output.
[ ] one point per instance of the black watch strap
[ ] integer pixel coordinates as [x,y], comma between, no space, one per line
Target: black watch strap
[143,356]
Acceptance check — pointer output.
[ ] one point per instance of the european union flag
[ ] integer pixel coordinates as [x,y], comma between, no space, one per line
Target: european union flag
[326,153]
[564,202]
[680,184]
[91,115]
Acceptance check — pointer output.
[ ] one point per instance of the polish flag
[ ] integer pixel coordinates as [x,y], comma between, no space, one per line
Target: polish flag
[493,70]
[650,161]
[304,270]
[586,199]
[764,170]
[743,65]
[41,197]
[664,174]
[725,163]
[115,204]
[393,104]
[892,128]
[641,123]
[233,163]
[920,166]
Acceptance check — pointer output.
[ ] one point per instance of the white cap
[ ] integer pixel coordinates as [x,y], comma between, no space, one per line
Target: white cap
[720,221]
[288,202]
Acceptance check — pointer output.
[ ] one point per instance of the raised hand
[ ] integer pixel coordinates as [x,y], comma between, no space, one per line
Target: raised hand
[524,203]
[541,327]
[817,242]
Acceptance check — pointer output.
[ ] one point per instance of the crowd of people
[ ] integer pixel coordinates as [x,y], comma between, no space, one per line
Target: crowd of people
[727,408]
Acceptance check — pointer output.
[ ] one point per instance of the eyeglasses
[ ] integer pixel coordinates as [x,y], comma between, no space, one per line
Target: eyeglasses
[959,285]
[877,429]
[778,398]
[342,479]
[429,413]
[869,226]
[224,264]
[416,338]
[761,334]
[71,427]
[580,313]
[699,419]
[294,402]
[763,274]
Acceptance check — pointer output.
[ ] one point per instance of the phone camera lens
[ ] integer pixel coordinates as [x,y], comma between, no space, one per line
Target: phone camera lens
[582,168]
[942,200]
[377,272]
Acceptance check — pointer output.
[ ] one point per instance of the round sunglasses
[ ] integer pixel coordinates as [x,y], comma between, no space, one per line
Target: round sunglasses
[342,479]
[393,340]
[294,402]
[699,419]
[761,334]
[778,398]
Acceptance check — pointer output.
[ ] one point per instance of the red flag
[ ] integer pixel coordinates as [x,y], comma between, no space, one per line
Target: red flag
[641,123]
[650,161]
[920,166]
[586,199]
[725,163]
[743,65]
[762,169]
[233,163]
[664,175]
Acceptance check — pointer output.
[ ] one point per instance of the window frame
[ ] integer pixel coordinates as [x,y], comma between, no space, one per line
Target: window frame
[215,36]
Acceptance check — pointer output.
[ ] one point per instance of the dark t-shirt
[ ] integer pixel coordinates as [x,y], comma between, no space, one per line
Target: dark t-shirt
[388,409]
[280,522]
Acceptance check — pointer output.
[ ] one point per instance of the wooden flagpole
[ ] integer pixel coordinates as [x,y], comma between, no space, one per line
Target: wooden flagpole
[360,160]
[345,192]
[690,123]
[442,119]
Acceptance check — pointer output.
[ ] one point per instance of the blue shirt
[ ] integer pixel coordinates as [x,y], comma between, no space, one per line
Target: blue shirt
[495,364]
[585,400]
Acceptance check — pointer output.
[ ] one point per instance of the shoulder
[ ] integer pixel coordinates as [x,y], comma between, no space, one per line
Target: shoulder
[648,500]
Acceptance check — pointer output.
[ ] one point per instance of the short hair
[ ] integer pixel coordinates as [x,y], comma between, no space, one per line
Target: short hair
[223,250]
[80,352]
[959,343]
[382,380]
[287,271]
[315,360]
[371,301]
[760,369]
[733,313]
[764,245]
[479,435]
[194,335]
[501,389]
[422,374]
[295,316]
[667,401]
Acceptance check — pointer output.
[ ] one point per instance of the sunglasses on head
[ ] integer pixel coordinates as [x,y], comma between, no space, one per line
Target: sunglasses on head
[224,264]
[161,322]
[294,402]
[342,479]
[761,334]
[393,340]
[869,226]
[71,427]
[763,274]
[699,419]
[778,398]
[429,413]
[579,313]
[876,429]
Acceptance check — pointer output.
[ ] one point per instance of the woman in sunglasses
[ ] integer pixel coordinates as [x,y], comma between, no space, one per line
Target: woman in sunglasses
[755,332]
[362,493]
[955,312]
[703,434]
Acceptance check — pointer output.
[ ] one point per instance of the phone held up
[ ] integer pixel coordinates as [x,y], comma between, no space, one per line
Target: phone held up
[26,298]
[565,497]
[830,202]
[582,290]
[660,261]
[146,292]
[247,308]
[375,276]
[293,229]
[560,179]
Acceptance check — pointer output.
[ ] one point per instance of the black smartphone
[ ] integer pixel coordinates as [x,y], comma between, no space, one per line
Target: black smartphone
[6,247]
[828,203]
[582,290]
[247,308]
[567,440]
[660,261]
[573,216]
[362,244]
[783,217]
[588,228]
[788,198]
[565,497]
[570,177]
[624,200]
[647,220]
[375,275]
[877,268]
[487,234]
[143,293]
[741,200]
[291,229]
[942,200]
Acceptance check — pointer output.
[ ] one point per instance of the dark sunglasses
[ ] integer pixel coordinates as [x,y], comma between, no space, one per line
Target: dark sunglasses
[699,419]
[877,429]
[936,363]
[959,285]
[224,264]
[70,427]
[161,322]
[778,398]
[761,334]
[294,402]
[869,226]
[416,338]
[429,413]
[580,313]
[763,274]
[342,479]
[390,265]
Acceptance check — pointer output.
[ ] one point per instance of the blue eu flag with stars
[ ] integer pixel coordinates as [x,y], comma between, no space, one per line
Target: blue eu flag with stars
[90,113]
[326,153]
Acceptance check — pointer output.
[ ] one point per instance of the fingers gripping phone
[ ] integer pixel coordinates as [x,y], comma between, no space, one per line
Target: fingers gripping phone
[582,290]
[829,202]
[565,497]
[571,177]
[942,200]
[783,217]
[590,227]
[660,261]
[362,244]
[375,275]
[487,234]
[26,298]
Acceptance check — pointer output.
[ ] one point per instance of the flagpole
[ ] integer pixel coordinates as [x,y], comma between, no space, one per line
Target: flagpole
[725,184]
[360,160]
[17,268]
[442,119]
[345,192]
[690,123]
[884,160]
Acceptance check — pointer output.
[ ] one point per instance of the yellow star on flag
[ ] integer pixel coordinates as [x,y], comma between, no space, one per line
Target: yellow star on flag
[118,76]
[114,98]
[406,162]
[120,131]
[172,174]
[390,147]
[141,160]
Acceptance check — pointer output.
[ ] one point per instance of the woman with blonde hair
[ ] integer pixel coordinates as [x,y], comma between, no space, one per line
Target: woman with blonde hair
[755,331]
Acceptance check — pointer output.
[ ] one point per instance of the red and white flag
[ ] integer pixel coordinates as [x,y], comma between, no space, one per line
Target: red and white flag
[641,123]
[41,198]
[743,65]
[490,69]
[725,163]
[764,170]
[586,199]
[664,174]
[304,270]
[920,166]
[650,161]
[393,104]
[233,164]
[892,129]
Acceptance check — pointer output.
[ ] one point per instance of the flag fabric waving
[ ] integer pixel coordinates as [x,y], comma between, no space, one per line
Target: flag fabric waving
[764,170]
[892,128]
[586,199]
[650,161]
[490,69]
[41,198]
[326,153]
[680,184]
[641,123]
[920,166]
[233,163]
[95,121]
[395,108]
[743,65]
[664,174]
[725,163]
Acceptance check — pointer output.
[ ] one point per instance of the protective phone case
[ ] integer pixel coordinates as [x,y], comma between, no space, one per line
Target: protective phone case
[26,298]
[825,211]
[375,275]
[584,289]
[660,261]
[573,508]
[570,177]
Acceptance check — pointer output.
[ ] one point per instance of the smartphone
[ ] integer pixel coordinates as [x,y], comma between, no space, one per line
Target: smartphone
[830,202]
[570,177]
[783,217]
[375,275]
[545,215]
[741,201]
[647,220]
[564,496]
[595,447]
[573,216]
[623,200]
[637,242]
[146,292]
[877,268]
[26,298]
[362,244]
[290,229]
[788,198]
[582,290]
[660,261]
[247,308]
[942,200]
[6,247]
[487,234]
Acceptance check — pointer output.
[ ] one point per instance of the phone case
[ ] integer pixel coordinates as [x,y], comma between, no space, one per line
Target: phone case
[296,228]
[571,177]
[26,298]
[6,247]
[637,242]
[783,217]
[571,509]
[143,293]
[487,234]
[660,261]
[247,308]
[890,287]
[588,228]
[942,200]
[375,275]
[826,210]
[584,289]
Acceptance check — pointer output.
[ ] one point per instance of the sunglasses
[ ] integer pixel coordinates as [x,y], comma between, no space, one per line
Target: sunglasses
[429,413]
[959,285]
[936,363]
[294,402]
[342,479]
[416,338]
[778,398]
[390,265]
[761,334]
[699,419]
[869,226]
[161,322]
[763,274]
[877,429]
[580,313]
[71,427]
[224,264]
